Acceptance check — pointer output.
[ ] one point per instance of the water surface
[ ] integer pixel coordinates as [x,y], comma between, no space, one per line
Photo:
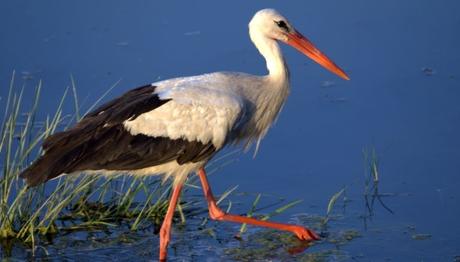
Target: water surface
[402,57]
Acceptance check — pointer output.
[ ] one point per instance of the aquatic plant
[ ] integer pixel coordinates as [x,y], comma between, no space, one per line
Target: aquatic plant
[331,204]
[372,178]
[371,181]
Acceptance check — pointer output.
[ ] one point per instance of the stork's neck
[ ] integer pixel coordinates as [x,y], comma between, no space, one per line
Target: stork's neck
[267,93]
[270,50]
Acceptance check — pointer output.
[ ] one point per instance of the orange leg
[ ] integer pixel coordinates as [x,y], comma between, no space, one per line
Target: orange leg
[217,214]
[165,231]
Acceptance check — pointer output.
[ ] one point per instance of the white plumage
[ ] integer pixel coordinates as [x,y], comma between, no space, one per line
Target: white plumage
[199,110]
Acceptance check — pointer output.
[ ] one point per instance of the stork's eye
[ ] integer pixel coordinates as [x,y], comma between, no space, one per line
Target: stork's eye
[281,24]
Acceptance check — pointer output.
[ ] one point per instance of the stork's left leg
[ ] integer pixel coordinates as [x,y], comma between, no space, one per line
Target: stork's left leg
[165,230]
[217,214]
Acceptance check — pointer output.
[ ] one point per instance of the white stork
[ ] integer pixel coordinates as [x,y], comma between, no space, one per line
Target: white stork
[174,127]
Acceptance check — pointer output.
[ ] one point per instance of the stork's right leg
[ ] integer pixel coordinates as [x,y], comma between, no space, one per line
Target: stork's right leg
[217,214]
[165,230]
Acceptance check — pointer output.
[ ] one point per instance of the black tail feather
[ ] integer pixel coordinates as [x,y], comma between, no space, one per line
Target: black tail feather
[40,171]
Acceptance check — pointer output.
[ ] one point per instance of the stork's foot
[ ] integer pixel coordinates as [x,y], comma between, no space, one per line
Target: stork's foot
[304,233]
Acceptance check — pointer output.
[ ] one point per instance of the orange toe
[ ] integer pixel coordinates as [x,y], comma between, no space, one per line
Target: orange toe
[305,234]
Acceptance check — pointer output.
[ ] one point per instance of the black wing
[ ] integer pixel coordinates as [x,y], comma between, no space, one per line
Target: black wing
[100,141]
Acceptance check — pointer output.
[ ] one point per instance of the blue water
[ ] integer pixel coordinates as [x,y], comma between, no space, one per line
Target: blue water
[402,100]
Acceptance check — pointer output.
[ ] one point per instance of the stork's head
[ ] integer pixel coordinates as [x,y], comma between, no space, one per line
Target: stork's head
[273,25]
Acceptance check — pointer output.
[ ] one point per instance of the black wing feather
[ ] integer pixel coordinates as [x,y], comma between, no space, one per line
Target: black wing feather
[100,141]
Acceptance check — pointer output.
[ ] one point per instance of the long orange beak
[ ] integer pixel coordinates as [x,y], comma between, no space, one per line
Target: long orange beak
[301,43]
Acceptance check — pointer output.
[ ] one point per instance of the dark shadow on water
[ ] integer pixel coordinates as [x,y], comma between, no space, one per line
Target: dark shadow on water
[195,243]
[196,240]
